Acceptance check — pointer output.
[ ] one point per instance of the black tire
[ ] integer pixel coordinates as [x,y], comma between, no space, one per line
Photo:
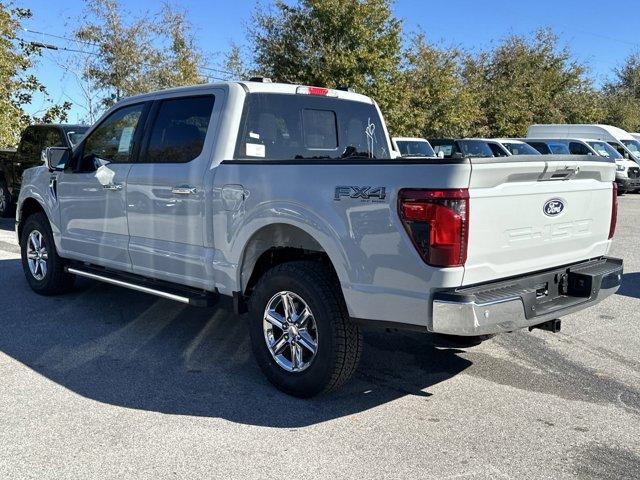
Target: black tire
[621,191]
[339,340]
[6,202]
[55,280]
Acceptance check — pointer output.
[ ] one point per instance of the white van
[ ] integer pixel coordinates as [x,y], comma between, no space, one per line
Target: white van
[628,174]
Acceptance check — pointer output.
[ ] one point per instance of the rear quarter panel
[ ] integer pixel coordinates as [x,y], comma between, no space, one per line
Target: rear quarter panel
[381,275]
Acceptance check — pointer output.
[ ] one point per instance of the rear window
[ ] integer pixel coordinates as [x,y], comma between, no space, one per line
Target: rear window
[520,148]
[288,127]
[415,148]
[475,148]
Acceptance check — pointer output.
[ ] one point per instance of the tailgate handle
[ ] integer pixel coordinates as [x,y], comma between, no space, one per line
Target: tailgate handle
[565,173]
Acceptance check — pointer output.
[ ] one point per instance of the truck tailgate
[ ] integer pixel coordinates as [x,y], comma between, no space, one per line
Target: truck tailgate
[533,213]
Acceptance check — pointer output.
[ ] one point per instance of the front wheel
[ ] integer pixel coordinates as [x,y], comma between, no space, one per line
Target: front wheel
[43,268]
[301,334]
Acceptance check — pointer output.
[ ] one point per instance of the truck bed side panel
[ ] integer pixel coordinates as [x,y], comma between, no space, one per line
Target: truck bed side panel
[381,275]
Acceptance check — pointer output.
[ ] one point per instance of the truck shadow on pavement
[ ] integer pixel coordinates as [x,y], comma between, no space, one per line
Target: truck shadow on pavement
[7,224]
[630,285]
[136,351]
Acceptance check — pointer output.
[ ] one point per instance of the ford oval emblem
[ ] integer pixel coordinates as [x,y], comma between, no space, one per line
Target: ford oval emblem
[553,207]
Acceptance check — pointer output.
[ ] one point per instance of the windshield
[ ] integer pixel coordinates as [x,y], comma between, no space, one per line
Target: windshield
[415,147]
[520,148]
[604,149]
[76,135]
[289,127]
[475,148]
[633,146]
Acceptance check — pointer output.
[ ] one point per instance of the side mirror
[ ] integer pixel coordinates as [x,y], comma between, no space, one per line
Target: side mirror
[626,155]
[458,155]
[55,158]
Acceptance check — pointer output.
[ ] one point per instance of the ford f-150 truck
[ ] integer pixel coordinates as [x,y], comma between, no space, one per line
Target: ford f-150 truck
[33,141]
[286,200]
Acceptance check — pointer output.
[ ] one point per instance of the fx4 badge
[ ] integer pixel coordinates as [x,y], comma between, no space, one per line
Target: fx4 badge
[362,193]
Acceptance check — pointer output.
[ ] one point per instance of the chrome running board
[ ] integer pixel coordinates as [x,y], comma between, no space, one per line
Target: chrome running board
[198,298]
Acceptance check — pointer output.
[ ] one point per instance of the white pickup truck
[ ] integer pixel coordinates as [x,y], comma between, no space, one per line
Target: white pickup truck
[285,199]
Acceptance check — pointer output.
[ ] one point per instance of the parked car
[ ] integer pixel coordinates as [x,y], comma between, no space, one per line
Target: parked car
[624,142]
[413,147]
[33,141]
[460,148]
[627,171]
[506,147]
[312,227]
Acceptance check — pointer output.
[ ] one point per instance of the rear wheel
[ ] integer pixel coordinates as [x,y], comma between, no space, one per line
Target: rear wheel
[301,334]
[6,203]
[43,268]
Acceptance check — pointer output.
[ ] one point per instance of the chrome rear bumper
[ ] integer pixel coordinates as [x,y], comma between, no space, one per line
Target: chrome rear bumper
[525,301]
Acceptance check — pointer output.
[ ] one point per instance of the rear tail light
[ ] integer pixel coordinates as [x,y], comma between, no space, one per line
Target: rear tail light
[437,222]
[614,211]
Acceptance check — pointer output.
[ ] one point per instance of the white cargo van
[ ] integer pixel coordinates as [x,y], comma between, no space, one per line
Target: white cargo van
[628,174]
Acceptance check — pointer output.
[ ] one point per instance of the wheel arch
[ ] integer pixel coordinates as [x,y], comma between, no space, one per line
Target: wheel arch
[275,244]
[28,207]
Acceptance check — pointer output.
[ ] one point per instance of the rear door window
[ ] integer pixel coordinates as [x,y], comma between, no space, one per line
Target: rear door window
[288,127]
[179,130]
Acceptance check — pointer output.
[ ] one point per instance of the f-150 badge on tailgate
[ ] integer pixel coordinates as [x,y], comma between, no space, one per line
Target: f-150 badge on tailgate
[362,193]
[553,207]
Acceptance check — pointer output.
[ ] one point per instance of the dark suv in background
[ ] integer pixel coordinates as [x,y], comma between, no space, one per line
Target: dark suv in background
[34,140]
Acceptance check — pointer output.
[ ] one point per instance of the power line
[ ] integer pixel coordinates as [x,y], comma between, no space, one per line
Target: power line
[62,37]
[49,46]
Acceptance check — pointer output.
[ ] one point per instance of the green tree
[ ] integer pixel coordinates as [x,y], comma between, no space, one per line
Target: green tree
[17,85]
[529,81]
[137,55]
[437,97]
[332,43]
[621,97]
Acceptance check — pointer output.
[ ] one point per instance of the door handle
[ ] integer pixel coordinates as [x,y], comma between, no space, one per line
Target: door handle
[183,190]
[113,186]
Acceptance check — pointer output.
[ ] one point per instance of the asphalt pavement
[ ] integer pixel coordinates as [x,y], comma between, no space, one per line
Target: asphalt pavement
[110,383]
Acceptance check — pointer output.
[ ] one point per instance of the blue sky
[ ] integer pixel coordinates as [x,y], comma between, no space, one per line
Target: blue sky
[599,34]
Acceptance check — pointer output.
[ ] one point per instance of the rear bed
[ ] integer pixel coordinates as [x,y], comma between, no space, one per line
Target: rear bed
[539,230]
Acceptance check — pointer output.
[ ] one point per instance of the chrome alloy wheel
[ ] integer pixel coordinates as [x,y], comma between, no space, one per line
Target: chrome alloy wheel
[290,331]
[37,255]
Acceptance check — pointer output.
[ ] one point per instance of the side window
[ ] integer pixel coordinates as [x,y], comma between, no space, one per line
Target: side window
[496,150]
[179,129]
[578,149]
[30,142]
[112,141]
[619,148]
[52,138]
